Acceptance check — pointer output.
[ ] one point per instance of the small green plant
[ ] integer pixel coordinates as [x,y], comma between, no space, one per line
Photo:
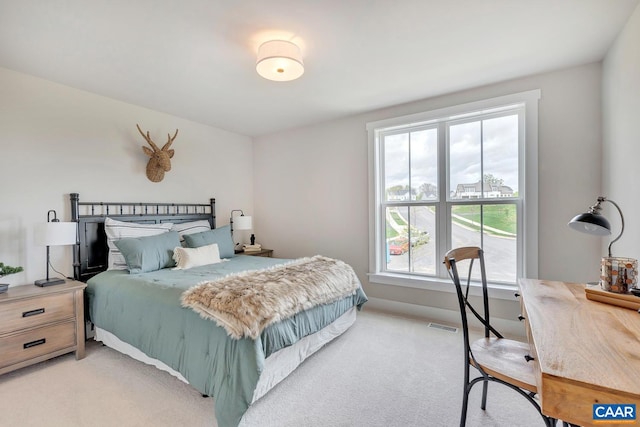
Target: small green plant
[5,270]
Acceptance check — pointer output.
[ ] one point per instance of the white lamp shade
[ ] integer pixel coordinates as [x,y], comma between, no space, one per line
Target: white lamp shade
[279,60]
[55,234]
[242,223]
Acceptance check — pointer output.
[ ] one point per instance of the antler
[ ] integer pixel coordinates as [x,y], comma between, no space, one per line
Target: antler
[148,138]
[166,146]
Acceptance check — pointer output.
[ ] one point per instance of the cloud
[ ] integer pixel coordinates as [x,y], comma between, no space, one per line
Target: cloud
[499,153]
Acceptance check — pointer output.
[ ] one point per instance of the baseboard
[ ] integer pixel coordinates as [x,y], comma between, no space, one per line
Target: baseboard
[511,328]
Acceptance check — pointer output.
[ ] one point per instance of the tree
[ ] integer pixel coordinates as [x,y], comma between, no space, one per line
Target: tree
[397,189]
[428,188]
[490,179]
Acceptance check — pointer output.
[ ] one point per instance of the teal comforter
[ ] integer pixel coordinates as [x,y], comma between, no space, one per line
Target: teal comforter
[144,311]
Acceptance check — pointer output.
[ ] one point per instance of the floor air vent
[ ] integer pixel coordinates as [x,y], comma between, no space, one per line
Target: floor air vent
[443,327]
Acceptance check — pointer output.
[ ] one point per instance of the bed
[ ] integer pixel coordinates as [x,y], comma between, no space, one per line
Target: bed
[145,314]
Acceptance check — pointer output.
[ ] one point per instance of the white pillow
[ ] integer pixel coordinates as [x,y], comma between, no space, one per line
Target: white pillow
[191,228]
[116,230]
[193,257]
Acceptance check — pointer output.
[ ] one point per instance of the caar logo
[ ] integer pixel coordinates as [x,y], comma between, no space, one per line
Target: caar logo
[615,414]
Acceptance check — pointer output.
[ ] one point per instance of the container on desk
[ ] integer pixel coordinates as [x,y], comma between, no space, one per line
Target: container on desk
[618,274]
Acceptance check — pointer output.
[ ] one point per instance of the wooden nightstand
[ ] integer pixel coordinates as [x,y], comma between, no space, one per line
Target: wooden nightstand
[262,252]
[37,324]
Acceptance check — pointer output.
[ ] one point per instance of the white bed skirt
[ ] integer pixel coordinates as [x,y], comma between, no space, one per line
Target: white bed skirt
[276,367]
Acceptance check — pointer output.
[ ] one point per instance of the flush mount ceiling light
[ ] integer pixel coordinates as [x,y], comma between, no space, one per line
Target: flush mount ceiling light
[279,60]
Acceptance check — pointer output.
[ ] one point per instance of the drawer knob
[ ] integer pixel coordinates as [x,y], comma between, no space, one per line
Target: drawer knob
[521,317]
[517,294]
[34,343]
[33,312]
[528,358]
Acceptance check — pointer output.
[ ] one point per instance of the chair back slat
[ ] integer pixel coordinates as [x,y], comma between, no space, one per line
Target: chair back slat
[451,260]
[460,254]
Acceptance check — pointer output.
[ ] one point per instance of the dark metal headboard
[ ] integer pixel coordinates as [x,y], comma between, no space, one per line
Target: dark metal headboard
[91,252]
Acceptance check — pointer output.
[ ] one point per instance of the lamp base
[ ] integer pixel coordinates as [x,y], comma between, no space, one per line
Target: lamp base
[44,282]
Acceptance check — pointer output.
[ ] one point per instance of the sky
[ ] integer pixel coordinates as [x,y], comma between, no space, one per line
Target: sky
[499,138]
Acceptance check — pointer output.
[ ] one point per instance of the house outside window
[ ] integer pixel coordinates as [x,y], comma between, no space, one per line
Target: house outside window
[460,176]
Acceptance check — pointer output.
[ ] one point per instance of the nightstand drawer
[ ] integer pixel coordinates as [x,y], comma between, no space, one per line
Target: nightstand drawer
[36,342]
[27,313]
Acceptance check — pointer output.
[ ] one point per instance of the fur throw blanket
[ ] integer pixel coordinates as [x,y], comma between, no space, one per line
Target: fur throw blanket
[246,303]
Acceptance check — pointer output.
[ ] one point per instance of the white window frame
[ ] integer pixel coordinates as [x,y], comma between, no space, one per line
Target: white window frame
[528,169]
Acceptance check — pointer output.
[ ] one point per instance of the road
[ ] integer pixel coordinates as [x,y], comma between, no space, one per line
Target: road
[499,252]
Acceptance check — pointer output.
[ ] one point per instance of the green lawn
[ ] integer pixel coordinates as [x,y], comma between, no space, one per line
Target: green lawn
[502,217]
[397,218]
[391,232]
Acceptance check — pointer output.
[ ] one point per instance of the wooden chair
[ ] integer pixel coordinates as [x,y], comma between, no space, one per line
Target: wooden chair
[498,359]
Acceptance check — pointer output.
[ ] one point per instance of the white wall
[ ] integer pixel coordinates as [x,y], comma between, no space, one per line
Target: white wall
[56,140]
[311,183]
[621,118]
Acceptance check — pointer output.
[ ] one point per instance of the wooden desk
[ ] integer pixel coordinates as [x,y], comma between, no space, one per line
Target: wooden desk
[586,352]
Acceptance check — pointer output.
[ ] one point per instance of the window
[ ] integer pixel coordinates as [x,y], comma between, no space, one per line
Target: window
[461,176]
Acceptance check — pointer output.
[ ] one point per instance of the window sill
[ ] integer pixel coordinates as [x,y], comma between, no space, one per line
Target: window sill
[497,291]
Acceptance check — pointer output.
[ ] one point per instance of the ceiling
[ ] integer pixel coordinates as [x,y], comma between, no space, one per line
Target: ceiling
[196,58]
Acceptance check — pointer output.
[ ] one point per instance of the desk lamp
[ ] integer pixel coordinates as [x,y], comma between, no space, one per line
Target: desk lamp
[617,274]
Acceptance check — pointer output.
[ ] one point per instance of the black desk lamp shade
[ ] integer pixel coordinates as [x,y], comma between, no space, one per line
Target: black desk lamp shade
[592,222]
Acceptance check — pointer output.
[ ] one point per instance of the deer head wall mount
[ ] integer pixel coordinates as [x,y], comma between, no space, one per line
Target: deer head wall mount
[160,161]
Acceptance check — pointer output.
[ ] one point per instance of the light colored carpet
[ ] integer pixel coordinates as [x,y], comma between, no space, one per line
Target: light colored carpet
[385,371]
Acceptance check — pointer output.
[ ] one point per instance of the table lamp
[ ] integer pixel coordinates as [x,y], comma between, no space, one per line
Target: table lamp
[54,233]
[242,222]
[617,274]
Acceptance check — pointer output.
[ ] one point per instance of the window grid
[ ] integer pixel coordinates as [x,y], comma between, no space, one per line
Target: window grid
[444,203]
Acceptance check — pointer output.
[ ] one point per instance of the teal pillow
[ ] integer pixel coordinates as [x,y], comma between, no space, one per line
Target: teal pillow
[220,236]
[149,253]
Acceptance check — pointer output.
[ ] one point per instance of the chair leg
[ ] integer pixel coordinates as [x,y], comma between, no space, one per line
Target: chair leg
[465,403]
[465,396]
[485,385]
